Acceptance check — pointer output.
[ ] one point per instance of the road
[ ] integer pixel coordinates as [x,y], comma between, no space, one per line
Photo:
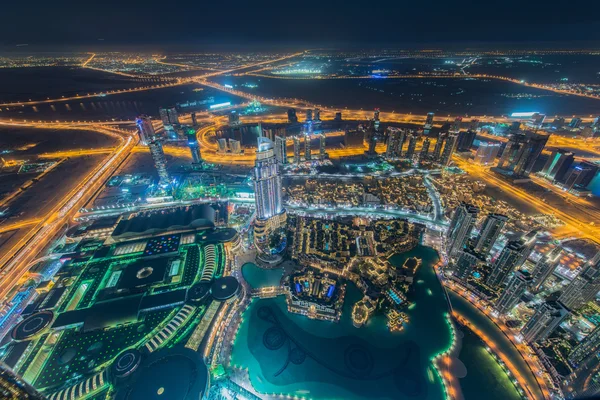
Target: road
[14,262]
[573,217]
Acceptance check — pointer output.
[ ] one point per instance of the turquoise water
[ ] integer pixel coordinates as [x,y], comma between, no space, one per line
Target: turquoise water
[290,354]
[259,277]
[484,324]
[483,372]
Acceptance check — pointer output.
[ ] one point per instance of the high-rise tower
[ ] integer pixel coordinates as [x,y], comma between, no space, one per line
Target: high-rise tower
[194,146]
[267,181]
[512,293]
[546,318]
[160,162]
[584,287]
[280,149]
[544,268]
[509,259]
[145,129]
[460,228]
[492,226]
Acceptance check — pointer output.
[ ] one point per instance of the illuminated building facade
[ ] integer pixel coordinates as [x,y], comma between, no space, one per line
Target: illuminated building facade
[424,150]
[510,258]
[467,260]
[194,147]
[280,149]
[544,268]
[460,228]
[449,149]
[521,153]
[267,183]
[145,129]
[296,140]
[169,116]
[429,120]
[465,140]
[486,153]
[511,295]
[583,288]
[307,153]
[160,162]
[546,318]
[586,348]
[437,150]
[412,145]
[322,148]
[490,230]
[558,164]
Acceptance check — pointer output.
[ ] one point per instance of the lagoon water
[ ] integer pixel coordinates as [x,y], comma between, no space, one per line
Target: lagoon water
[290,354]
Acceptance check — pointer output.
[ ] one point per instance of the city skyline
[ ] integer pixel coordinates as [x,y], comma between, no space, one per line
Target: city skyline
[363,223]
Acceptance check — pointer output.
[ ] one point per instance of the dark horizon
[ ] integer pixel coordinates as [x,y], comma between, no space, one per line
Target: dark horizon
[240,24]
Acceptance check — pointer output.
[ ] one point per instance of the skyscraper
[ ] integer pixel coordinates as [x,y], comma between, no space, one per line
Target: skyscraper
[412,145]
[391,150]
[460,228]
[521,153]
[546,318]
[530,153]
[507,261]
[586,348]
[456,125]
[222,145]
[575,123]
[194,120]
[544,268]
[466,261]
[160,162]
[13,387]
[173,115]
[424,150]
[317,116]
[235,146]
[465,140]
[267,181]
[322,148]
[309,115]
[292,117]
[338,117]
[490,230]
[164,116]
[145,129]
[583,288]
[449,149]
[437,150]
[514,290]
[487,153]
[558,164]
[372,140]
[234,118]
[581,175]
[429,120]
[281,149]
[194,146]
[296,140]
[307,152]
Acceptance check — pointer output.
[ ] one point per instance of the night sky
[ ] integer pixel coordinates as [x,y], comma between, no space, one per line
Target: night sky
[63,24]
